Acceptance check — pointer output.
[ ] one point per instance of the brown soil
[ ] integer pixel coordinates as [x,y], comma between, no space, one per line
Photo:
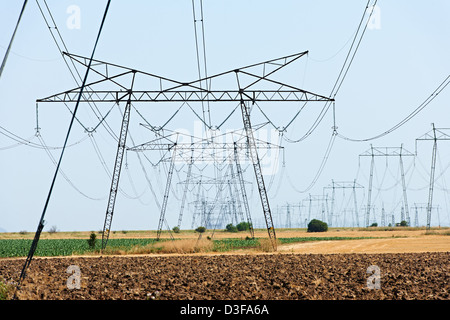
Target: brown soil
[236,277]
[412,266]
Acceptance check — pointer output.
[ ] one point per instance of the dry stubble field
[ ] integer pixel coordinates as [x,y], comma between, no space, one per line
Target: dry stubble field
[411,264]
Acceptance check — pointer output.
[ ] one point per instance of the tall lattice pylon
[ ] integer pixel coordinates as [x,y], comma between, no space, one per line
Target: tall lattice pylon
[434,135]
[373,152]
[254,85]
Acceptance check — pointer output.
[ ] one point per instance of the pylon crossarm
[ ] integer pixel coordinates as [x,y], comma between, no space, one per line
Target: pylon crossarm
[177,91]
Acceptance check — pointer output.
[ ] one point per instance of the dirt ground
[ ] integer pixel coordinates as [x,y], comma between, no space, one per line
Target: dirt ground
[397,265]
[421,276]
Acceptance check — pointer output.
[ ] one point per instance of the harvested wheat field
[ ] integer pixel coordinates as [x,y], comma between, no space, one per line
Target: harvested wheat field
[392,266]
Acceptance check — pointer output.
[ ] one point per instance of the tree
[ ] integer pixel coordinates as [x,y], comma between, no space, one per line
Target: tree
[92,240]
[403,223]
[200,229]
[231,228]
[176,229]
[317,226]
[243,226]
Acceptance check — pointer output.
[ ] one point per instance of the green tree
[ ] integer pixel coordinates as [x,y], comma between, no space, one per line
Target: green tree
[403,223]
[243,226]
[200,229]
[92,240]
[231,228]
[317,226]
[176,229]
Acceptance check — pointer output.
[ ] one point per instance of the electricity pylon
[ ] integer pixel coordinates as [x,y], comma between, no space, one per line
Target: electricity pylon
[344,185]
[386,152]
[253,84]
[434,135]
[204,150]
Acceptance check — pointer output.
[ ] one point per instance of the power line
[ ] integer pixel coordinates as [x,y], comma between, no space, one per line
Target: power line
[357,47]
[63,173]
[62,47]
[27,141]
[321,167]
[422,106]
[41,221]
[338,83]
[204,56]
[5,58]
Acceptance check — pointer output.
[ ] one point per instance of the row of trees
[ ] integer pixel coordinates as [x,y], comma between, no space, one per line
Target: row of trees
[313,226]
[243,226]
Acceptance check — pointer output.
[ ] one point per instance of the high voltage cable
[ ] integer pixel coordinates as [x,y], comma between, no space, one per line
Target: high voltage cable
[41,221]
[333,94]
[28,142]
[62,172]
[321,167]
[198,54]
[357,47]
[422,106]
[63,48]
[342,74]
[5,58]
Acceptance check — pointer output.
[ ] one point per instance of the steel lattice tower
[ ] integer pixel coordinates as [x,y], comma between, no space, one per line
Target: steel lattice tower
[434,135]
[249,90]
[386,152]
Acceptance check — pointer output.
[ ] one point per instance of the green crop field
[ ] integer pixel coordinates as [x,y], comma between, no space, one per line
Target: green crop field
[62,247]
[67,247]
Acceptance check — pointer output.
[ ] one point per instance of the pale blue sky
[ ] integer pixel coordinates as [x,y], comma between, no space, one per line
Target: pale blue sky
[397,66]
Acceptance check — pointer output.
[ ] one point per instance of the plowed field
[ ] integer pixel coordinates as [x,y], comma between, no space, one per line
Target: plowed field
[237,276]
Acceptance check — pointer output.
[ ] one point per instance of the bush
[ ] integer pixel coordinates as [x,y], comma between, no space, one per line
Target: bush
[176,229]
[200,229]
[374,224]
[92,240]
[403,223]
[243,226]
[230,228]
[317,226]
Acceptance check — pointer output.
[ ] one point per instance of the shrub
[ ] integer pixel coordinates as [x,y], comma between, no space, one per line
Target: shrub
[176,229]
[317,226]
[231,228]
[243,226]
[403,223]
[200,229]
[374,224]
[92,240]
